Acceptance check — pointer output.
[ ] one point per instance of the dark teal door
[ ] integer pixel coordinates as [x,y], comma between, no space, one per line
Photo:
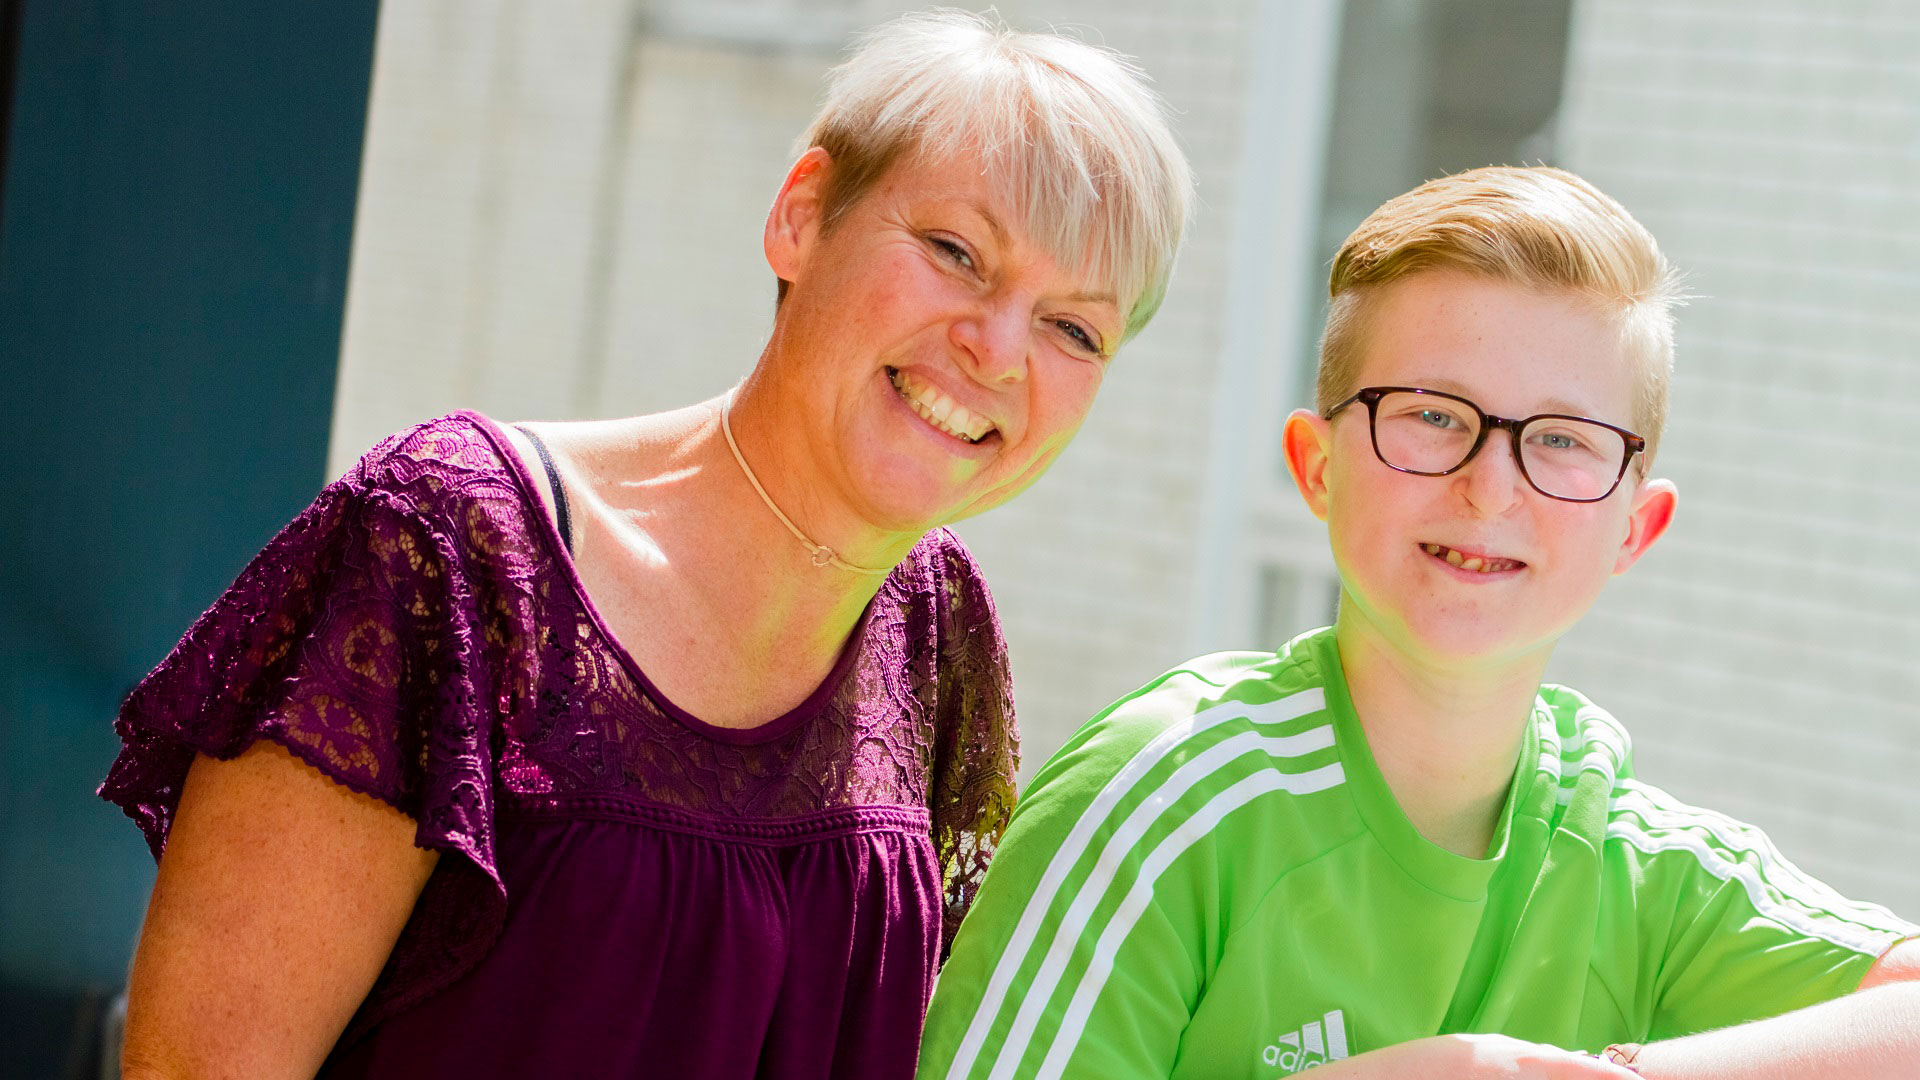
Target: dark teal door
[175,213]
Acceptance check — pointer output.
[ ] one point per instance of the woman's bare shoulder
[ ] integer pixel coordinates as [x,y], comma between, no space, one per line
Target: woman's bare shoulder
[611,446]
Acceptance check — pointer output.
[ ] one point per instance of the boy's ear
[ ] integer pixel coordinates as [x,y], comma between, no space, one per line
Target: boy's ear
[1305,440]
[1653,506]
[794,221]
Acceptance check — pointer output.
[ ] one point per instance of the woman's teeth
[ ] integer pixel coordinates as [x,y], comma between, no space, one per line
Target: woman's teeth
[940,410]
[1471,562]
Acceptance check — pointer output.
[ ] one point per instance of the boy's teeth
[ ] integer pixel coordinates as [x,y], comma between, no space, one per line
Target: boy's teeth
[1476,563]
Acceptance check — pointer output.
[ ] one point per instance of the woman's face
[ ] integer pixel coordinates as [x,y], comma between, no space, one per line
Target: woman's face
[941,358]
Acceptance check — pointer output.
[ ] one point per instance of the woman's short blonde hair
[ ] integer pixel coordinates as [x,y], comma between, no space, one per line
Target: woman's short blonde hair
[1072,130]
[1536,227]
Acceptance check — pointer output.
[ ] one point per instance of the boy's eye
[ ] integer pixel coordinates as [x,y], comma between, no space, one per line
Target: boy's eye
[1561,439]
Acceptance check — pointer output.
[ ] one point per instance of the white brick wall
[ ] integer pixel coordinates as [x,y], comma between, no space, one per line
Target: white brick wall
[561,217]
[1094,567]
[1767,654]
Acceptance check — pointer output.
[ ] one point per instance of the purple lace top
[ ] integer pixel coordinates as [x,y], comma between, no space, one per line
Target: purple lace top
[623,890]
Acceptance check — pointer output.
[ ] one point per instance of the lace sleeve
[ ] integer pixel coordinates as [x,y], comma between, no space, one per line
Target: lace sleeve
[977,743]
[351,640]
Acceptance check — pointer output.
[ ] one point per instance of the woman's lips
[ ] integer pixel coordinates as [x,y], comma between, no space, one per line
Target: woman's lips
[937,409]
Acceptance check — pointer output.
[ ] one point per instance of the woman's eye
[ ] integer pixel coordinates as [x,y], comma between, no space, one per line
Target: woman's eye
[1079,334]
[1435,418]
[953,251]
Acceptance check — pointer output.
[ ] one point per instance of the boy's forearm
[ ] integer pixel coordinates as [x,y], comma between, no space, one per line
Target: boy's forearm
[1868,1035]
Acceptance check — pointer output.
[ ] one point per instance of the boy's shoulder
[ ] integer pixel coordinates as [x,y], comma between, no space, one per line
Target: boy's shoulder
[1678,852]
[1219,693]
[1235,725]
[1578,736]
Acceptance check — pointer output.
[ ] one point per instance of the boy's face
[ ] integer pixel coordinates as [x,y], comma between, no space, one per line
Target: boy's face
[1514,352]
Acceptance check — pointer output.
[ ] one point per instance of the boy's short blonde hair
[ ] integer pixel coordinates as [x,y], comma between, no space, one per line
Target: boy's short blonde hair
[1537,227]
[1073,132]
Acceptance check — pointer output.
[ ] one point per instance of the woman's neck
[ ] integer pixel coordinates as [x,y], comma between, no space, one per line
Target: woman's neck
[696,547]
[1446,738]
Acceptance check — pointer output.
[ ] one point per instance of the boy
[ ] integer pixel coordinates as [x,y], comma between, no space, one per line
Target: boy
[1388,850]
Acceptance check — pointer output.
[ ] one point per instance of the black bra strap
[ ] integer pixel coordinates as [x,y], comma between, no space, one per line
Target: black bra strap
[559,493]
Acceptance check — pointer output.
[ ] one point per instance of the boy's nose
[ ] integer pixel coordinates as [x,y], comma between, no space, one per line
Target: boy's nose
[1492,482]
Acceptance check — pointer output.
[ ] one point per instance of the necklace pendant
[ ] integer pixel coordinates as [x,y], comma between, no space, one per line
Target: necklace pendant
[823,556]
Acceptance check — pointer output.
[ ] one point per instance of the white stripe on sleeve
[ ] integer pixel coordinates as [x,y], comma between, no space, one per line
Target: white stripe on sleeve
[1094,979]
[1006,969]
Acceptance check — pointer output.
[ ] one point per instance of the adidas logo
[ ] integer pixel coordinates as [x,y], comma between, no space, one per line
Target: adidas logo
[1316,1043]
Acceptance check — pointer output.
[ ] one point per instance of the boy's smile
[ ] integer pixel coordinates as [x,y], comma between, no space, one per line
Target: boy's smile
[1471,562]
[1476,565]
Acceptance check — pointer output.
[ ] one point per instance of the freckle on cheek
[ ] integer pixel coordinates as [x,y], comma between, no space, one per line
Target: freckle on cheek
[884,295]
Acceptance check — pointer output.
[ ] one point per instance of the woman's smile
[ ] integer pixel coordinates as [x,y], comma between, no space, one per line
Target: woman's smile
[941,412]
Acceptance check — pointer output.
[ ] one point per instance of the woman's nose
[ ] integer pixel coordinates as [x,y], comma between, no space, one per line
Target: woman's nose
[994,339]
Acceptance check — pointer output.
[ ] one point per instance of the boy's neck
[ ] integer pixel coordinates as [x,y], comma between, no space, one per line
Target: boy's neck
[1446,739]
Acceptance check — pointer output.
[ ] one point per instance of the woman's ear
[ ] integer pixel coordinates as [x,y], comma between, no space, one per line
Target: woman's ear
[1305,439]
[794,222]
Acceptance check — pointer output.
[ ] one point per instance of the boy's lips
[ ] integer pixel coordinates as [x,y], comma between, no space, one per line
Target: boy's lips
[1479,562]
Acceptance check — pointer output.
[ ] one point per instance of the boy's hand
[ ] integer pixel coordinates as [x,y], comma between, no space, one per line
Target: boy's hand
[1472,1057]
[1498,1057]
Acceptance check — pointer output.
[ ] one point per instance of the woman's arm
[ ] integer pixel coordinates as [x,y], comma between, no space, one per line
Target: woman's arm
[1869,1034]
[278,899]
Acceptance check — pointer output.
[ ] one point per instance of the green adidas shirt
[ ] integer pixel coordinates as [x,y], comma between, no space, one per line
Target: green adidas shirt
[1213,880]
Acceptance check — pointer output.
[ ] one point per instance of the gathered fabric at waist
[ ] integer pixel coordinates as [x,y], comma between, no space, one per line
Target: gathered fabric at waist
[820,825]
[643,940]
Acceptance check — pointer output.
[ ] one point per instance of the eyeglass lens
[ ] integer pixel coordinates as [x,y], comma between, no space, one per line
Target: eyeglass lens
[1570,459]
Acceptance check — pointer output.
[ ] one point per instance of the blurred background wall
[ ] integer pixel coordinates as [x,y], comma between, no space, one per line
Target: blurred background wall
[560,216]
[559,212]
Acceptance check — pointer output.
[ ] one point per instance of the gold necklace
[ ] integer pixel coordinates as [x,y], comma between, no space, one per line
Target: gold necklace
[822,554]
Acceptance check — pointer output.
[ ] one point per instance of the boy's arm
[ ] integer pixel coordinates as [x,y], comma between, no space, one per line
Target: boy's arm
[1068,963]
[1870,1034]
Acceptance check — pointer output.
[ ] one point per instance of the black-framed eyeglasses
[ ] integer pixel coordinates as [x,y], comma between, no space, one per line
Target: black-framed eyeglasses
[1431,433]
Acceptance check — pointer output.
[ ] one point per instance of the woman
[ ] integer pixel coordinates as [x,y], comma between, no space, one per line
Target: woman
[674,745]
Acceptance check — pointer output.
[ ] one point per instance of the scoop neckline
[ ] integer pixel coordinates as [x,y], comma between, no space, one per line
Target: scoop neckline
[557,551]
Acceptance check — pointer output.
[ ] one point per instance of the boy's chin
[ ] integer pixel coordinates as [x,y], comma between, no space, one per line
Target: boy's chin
[1468,643]
[1465,635]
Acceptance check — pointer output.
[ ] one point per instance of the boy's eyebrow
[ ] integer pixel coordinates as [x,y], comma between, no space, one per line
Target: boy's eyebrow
[1552,404]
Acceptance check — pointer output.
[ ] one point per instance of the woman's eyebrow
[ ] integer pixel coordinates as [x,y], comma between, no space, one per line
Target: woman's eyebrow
[993,223]
[1000,236]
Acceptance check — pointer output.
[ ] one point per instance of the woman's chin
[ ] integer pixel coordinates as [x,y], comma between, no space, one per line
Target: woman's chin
[897,505]
[908,486]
